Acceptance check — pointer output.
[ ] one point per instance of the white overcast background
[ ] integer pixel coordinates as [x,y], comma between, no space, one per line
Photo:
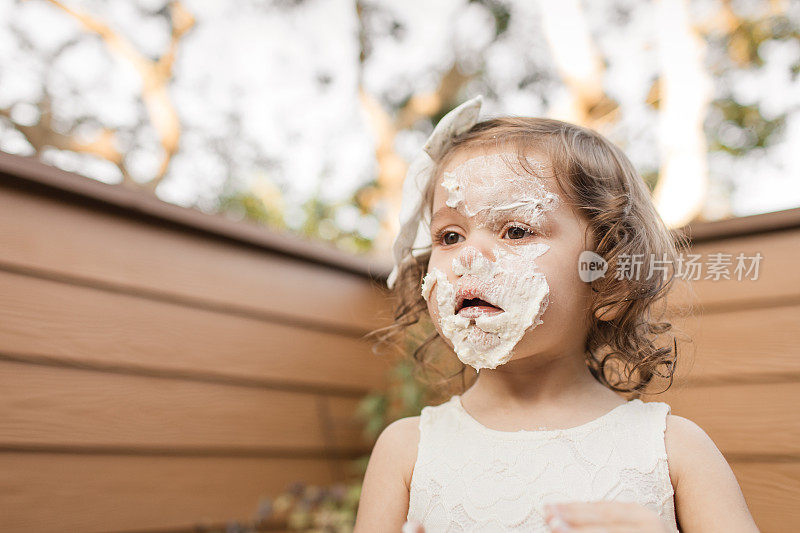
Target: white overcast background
[263,65]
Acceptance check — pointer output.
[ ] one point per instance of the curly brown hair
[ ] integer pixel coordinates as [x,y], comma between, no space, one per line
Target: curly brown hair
[602,185]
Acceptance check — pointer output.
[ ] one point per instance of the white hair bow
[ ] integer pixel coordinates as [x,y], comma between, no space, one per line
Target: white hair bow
[414,235]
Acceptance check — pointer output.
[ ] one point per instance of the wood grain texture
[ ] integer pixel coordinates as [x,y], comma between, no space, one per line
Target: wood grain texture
[739,378]
[778,277]
[135,255]
[27,173]
[747,345]
[743,419]
[43,405]
[53,492]
[156,377]
[772,490]
[89,326]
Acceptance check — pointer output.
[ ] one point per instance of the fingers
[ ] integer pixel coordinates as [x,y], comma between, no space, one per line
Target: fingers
[595,529]
[556,523]
[586,513]
[600,516]
[412,527]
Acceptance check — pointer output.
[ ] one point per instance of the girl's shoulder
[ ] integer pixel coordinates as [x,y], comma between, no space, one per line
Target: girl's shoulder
[383,494]
[401,442]
[686,444]
[706,488]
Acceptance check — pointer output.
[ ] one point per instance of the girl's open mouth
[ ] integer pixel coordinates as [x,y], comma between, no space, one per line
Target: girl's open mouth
[475,307]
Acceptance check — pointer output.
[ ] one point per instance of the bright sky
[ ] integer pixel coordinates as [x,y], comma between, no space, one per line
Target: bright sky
[264,67]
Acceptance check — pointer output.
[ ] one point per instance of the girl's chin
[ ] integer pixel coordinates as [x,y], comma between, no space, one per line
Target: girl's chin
[481,339]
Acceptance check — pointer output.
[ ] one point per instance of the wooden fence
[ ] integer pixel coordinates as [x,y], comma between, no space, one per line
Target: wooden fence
[161,367]
[742,378]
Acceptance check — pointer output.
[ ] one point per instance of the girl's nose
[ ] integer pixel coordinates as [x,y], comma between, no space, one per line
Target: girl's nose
[470,255]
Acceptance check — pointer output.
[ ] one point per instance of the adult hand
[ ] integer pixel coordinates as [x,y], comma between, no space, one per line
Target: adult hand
[605,517]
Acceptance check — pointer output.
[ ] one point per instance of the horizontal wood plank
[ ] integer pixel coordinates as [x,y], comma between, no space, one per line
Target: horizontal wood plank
[772,490]
[44,406]
[743,345]
[90,326]
[744,419]
[778,276]
[46,492]
[95,245]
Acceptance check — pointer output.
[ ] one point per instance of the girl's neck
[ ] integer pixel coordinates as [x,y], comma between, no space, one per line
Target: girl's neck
[539,381]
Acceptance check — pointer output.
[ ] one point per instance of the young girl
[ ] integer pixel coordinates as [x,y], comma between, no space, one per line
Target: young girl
[513,234]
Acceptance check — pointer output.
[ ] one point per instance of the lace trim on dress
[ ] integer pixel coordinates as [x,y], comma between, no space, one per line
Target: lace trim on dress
[469,477]
[542,432]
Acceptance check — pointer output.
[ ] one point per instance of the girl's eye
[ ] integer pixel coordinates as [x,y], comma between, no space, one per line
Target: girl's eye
[516,232]
[450,237]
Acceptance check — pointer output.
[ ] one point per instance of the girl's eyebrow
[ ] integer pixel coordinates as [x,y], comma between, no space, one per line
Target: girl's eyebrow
[544,217]
[541,216]
[441,212]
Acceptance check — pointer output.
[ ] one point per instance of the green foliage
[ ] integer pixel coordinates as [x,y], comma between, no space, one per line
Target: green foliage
[755,131]
[320,223]
[372,410]
[500,12]
[404,397]
[743,42]
[650,178]
[319,217]
[738,127]
[248,206]
[303,507]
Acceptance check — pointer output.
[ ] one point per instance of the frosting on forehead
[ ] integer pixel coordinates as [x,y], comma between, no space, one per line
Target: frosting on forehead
[487,183]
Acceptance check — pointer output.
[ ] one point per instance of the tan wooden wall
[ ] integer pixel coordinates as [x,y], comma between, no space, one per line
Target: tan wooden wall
[742,383]
[162,368]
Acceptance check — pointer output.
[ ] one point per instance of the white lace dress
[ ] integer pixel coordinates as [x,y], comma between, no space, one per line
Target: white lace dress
[468,477]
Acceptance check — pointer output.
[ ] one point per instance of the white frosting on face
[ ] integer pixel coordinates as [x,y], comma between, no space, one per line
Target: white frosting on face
[485,190]
[486,186]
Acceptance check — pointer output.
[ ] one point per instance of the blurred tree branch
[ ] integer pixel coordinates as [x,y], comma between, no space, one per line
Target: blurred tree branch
[43,134]
[155,75]
[580,65]
[391,166]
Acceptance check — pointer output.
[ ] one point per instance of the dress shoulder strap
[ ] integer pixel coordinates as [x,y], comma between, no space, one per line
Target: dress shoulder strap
[435,424]
[640,439]
[434,417]
[655,414]
[637,434]
[655,420]
[659,412]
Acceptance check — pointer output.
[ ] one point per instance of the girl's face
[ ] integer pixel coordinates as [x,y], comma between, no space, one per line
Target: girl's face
[502,280]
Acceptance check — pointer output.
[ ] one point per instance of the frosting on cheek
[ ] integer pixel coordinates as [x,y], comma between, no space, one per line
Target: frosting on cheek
[511,281]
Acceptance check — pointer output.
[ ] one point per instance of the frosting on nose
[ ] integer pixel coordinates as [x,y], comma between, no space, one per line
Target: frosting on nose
[471,261]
